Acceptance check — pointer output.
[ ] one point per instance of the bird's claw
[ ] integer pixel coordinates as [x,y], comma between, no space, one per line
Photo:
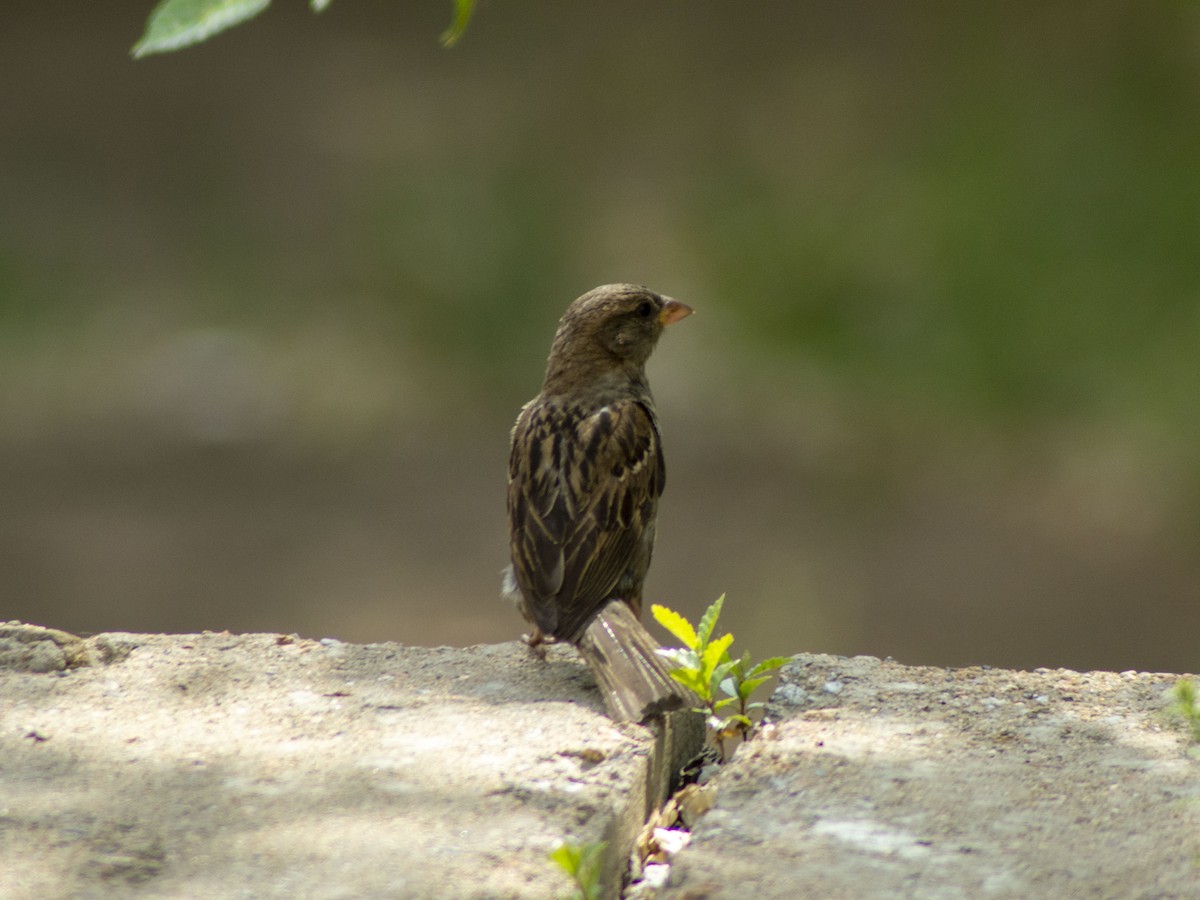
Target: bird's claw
[538,642]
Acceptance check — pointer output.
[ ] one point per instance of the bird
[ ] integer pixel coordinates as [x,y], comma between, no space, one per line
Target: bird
[585,474]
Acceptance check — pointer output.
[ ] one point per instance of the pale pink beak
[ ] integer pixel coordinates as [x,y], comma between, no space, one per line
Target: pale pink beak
[673,311]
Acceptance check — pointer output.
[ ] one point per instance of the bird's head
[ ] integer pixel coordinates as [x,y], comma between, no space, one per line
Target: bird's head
[613,327]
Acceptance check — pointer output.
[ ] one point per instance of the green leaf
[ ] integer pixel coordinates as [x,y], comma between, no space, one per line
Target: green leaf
[676,624]
[727,667]
[746,688]
[680,657]
[1185,705]
[179,23]
[734,668]
[588,876]
[709,620]
[715,653]
[694,682]
[581,863]
[769,664]
[1185,692]
[566,856]
[319,5]
[726,674]
[462,17]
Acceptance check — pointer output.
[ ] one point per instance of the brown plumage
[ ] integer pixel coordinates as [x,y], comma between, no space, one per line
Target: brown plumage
[584,478]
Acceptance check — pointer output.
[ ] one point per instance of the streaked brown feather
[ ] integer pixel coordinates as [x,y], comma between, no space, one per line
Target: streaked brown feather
[579,530]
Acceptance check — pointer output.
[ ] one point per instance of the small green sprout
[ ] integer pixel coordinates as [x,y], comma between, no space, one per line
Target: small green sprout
[581,863]
[704,666]
[1186,704]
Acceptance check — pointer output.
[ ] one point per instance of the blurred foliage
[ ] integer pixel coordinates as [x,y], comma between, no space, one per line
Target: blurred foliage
[981,217]
[943,259]
[175,24]
[463,10]
[1021,245]
[1004,232]
[442,248]
[1185,705]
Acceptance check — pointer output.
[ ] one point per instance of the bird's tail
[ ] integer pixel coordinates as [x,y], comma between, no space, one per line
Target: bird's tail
[634,679]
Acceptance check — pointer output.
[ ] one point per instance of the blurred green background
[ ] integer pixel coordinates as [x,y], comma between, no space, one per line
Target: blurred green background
[269,305]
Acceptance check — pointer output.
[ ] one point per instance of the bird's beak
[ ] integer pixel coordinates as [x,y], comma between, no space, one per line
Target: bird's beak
[673,311]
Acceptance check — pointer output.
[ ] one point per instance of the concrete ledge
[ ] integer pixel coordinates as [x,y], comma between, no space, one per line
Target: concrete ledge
[218,765]
[884,781]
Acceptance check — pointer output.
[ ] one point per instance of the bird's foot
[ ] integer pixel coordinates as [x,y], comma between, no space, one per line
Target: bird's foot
[538,642]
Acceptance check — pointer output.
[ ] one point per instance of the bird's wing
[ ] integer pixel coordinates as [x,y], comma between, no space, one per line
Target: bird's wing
[582,492]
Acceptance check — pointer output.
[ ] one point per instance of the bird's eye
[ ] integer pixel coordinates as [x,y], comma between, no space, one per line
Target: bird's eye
[644,309]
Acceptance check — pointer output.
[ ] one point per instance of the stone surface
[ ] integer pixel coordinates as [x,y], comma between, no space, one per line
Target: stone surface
[220,765]
[32,648]
[883,781]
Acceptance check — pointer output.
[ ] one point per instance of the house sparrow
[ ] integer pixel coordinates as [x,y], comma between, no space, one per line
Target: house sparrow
[584,477]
